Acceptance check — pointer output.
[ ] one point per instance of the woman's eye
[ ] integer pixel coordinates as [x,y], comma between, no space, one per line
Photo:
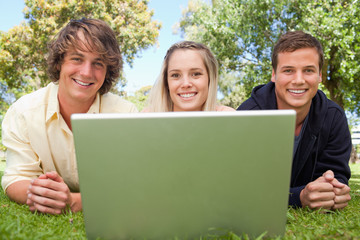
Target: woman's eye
[175,75]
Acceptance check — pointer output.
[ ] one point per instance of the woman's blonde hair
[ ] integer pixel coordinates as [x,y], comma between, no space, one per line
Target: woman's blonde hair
[159,99]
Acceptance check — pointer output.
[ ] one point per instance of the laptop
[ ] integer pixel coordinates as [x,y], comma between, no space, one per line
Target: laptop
[184,175]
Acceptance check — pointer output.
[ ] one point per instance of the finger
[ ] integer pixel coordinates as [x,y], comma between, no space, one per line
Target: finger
[319,180]
[54,176]
[47,193]
[337,184]
[321,196]
[32,208]
[317,192]
[42,176]
[46,202]
[345,189]
[319,187]
[49,183]
[342,199]
[328,175]
[322,204]
[29,202]
[46,209]
[340,206]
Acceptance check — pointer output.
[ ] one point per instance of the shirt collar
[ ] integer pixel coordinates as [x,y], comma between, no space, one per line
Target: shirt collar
[53,109]
[95,107]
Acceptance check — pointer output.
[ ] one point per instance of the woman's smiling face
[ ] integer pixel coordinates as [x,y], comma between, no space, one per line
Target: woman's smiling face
[188,80]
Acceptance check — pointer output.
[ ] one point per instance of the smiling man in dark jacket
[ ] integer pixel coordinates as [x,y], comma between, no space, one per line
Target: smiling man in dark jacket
[322,147]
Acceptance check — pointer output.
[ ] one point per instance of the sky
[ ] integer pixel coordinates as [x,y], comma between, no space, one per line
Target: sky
[147,66]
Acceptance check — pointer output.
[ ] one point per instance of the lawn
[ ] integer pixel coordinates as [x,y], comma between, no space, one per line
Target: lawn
[16,222]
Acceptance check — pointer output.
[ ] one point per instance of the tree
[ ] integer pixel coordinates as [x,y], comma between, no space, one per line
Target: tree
[233,92]
[242,33]
[140,97]
[24,48]
[336,25]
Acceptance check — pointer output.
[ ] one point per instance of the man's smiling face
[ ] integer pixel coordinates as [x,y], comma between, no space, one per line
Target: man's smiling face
[82,74]
[296,78]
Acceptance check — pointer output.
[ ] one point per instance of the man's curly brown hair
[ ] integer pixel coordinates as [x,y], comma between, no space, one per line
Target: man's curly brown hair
[99,38]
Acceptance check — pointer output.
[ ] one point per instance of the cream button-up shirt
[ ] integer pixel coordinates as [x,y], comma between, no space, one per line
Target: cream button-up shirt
[38,140]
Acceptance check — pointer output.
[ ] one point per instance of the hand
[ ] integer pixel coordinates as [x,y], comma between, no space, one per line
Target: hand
[342,194]
[341,190]
[48,194]
[319,193]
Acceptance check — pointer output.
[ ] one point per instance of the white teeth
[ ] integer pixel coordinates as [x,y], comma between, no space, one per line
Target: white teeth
[297,91]
[82,83]
[187,95]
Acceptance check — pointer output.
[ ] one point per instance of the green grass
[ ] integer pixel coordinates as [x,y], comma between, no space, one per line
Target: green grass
[16,222]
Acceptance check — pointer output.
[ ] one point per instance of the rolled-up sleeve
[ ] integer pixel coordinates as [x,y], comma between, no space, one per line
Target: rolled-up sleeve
[38,140]
[22,162]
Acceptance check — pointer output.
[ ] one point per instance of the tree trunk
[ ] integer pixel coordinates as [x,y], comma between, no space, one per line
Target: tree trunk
[330,79]
[353,156]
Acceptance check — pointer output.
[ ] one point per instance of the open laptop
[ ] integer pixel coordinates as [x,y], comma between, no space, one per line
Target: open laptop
[184,175]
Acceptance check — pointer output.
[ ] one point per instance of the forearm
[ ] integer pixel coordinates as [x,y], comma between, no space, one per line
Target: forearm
[294,196]
[335,154]
[76,204]
[17,191]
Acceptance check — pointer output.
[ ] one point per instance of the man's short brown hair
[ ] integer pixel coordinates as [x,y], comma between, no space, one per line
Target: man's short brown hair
[99,38]
[292,41]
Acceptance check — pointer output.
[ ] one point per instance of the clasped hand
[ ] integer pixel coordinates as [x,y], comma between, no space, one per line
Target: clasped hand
[48,194]
[325,192]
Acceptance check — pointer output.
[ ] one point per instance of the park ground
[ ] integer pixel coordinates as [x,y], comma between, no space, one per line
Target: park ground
[17,222]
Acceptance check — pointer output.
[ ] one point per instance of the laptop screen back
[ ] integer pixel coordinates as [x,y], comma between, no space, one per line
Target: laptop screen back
[185,175]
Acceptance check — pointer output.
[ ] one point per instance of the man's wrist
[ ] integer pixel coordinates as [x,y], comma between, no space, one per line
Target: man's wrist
[301,197]
[75,204]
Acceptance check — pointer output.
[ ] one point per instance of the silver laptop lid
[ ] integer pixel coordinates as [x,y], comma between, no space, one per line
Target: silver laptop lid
[185,175]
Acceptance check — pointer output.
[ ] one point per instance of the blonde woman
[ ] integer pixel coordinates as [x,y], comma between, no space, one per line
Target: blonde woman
[187,82]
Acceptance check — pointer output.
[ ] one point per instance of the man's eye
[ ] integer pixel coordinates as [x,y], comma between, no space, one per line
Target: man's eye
[99,64]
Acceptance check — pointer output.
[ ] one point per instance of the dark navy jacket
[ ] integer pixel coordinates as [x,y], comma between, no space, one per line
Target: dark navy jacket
[324,145]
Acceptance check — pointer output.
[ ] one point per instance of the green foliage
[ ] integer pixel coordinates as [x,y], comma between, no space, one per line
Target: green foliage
[242,33]
[24,47]
[336,25]
[140,97]
[232,89]
[17,222]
